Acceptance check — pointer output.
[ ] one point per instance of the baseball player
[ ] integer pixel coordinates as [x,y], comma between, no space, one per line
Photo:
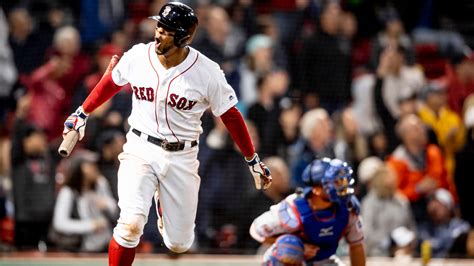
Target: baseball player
[173,84]
[305,228]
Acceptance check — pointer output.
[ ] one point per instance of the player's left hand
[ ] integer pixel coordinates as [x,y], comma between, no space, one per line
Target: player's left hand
[310,251]
[260,172]
[76,121]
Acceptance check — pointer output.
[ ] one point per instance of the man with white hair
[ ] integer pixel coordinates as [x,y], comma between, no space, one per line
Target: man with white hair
[316,141]
[67,41]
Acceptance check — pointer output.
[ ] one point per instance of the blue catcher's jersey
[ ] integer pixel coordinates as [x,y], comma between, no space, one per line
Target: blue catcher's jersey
[323,228]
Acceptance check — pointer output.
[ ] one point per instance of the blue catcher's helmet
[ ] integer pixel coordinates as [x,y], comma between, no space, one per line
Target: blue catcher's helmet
[337,181]
[313,173]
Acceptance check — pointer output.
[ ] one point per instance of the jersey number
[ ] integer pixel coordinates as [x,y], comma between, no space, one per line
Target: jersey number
[144,94]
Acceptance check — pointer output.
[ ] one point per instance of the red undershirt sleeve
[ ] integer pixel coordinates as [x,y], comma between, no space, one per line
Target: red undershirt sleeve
[104,90]
[234,122]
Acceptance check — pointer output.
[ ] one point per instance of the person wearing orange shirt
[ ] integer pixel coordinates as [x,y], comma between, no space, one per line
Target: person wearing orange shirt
[419,166]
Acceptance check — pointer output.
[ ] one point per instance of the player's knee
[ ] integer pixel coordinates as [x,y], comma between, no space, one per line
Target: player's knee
[179,243]
[287,250]
[179,247]
[129,230]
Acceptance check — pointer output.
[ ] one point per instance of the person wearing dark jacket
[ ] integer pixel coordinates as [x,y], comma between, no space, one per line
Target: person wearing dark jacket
[463,171]
[325,66]
[33,181]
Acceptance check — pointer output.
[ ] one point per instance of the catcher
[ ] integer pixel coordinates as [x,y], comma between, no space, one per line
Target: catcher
[305,228]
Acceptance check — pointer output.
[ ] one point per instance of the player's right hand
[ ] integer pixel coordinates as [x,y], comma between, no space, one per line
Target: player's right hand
[76,121]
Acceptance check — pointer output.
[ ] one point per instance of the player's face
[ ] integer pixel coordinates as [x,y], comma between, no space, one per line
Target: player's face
[164,40]
[319,192]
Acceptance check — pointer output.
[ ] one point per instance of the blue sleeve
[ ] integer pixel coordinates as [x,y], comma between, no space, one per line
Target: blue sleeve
[353,204]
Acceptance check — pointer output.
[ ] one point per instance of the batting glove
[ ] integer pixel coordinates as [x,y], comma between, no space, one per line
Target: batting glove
[260,172]
[76,121]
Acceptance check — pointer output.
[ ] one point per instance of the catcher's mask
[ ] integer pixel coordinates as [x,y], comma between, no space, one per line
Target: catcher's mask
[334,176]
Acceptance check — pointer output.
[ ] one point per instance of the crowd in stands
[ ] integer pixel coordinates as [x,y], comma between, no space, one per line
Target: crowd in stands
[386,87]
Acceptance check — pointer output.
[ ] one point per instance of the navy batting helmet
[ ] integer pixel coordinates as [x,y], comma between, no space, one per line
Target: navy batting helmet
[180,18]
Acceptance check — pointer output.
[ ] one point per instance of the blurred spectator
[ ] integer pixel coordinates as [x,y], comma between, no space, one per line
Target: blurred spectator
[85,207]
[365,174]
[222,175]
[324,66]
[403,245]
[48,96]
[244,14]
[216,31]
[363,104]
[33,179]
[378,145]
[258,62]
[112,113]
[289,121]
[393,34]
[380,99]
[27,45]
[121,38]
[260,201]
[383,211]
[8,75]
[58,15]
[350,146]
[266,111]
[222,40]
[463,246]
[459,79]
[289,16]
[99,17]
[395,90]
[110,145]
[447,41]
[419,166]
[464,162]
[447,125]
[442,227]
[146,29]
[348,28]
[316,141]
[67,46]
[367,169]
[267,26]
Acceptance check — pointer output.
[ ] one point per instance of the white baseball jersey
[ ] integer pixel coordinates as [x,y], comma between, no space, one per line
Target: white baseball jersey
[169,103]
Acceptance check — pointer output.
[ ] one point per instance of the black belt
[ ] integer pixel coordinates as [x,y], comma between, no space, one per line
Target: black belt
[164,144]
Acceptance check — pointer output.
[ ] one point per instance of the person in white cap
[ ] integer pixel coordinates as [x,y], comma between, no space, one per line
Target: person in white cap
[442,227]
[384,211]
